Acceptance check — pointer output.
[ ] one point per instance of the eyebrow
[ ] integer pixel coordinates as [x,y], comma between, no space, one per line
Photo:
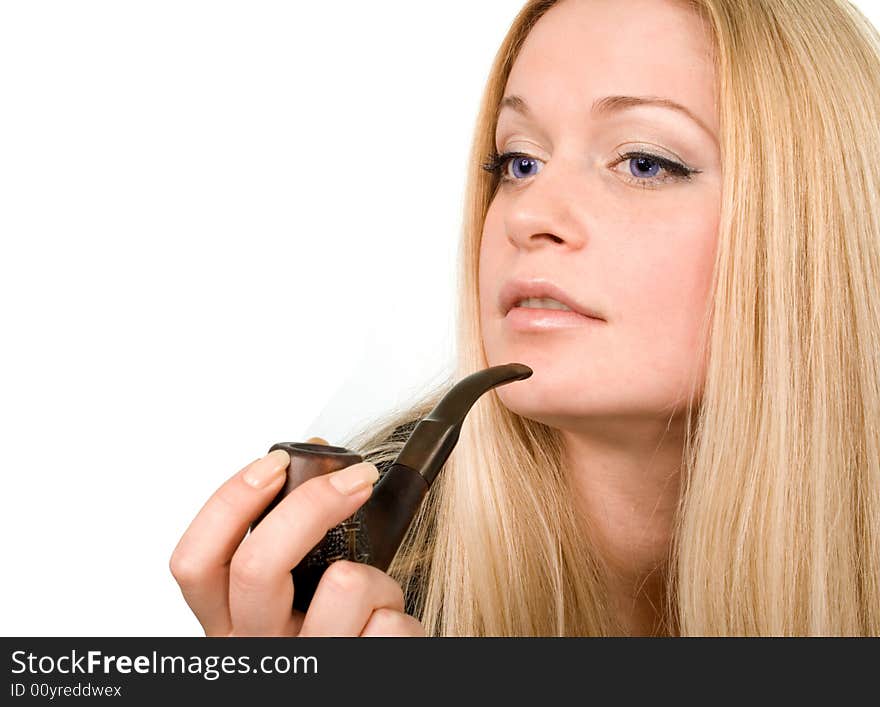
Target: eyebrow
[610,104]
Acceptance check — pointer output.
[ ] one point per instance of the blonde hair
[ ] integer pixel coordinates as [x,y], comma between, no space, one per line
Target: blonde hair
[778,527]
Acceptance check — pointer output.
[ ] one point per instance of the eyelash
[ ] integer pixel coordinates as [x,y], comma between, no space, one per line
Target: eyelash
[497,165]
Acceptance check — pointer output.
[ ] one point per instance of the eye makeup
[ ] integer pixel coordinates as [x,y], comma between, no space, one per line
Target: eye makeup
[640,165]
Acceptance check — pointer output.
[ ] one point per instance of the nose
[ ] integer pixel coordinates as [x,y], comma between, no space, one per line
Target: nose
[549,210]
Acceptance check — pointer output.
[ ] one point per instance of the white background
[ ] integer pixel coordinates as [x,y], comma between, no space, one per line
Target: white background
[223,225]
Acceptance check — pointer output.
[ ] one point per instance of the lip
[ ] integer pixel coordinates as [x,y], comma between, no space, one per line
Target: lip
[519,289]
[528,319]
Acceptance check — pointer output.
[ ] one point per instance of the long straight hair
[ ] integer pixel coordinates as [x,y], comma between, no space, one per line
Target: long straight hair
[778,527]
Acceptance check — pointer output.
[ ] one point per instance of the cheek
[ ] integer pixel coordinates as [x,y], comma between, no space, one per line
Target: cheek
[670,286]
[490,254]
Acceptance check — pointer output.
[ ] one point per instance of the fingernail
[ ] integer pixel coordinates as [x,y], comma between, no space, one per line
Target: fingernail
[261,473]
[353,478]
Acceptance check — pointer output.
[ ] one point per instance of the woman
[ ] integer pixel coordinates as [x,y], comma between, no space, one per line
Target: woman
[701,454]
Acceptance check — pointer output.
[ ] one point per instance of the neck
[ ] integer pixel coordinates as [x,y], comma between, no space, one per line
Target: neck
[626,475]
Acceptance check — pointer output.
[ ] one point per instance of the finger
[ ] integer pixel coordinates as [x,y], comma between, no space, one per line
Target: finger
[348,593]
[386,622]
[260,586]
[317,440]
[200,562]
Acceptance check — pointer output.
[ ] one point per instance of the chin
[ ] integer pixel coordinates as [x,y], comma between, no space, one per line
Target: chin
[531,398]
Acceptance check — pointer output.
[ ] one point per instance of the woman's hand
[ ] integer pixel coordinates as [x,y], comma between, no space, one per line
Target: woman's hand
[241,586]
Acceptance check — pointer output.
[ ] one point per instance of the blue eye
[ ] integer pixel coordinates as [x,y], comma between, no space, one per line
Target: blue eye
[525,165]
[644,164]
[497,164]
[643,167]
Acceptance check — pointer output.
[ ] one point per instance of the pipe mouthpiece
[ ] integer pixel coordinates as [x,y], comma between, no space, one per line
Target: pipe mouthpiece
[434,437]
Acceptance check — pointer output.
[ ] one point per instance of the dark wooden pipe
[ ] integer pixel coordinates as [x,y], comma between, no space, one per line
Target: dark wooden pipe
[374,532]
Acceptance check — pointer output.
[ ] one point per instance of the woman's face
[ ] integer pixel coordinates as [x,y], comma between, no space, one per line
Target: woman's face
[630,239]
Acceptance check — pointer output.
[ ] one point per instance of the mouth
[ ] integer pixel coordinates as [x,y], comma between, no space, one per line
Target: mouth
[544,304]
[541,295]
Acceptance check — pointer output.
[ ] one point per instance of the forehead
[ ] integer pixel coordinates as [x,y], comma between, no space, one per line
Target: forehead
[582,50]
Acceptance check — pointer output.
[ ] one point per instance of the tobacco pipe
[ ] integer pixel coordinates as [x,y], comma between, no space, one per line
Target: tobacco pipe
[374,532]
